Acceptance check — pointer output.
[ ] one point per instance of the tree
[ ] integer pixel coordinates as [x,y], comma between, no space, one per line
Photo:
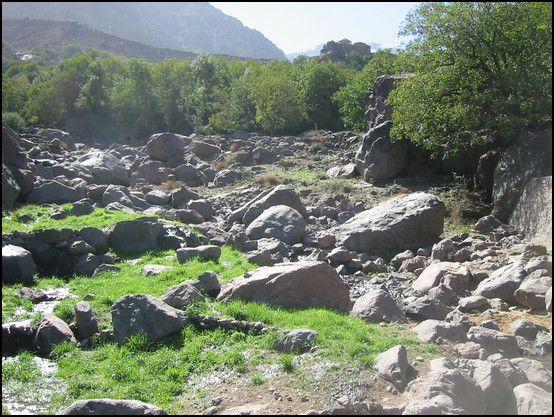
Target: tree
[276,98]
[318,82]
[483,71]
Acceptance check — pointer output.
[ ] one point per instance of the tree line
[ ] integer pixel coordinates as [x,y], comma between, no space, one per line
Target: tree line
[482,72]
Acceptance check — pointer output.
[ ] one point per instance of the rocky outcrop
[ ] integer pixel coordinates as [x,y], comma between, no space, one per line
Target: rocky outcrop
[107,406]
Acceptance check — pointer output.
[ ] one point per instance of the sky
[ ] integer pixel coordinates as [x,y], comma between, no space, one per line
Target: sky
[299,26]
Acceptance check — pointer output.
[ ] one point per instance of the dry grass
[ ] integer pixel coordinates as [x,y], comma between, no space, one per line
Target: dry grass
[171,185]
[268,180]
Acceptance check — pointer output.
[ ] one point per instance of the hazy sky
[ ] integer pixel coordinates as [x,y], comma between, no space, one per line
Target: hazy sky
[298,26]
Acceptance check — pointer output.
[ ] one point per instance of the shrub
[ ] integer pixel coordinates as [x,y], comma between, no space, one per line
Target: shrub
[14,120]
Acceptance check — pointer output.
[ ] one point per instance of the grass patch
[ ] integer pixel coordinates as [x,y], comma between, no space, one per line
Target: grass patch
[100,217]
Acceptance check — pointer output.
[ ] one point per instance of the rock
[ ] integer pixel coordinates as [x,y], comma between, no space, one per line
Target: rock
[132,314]
[95,238]
[52,191]
[533,400]
[203,149]
[496,387]
[206,252]
[431,276]
[51,331]
[10,189]
[18,265]
[307,284]
[178,296]
[376,306]
[415,219]
[425,307]
[531,293]
[148,270]
[535,371]
[503,282]
[281,222]
[136,236]
[494,341]
[463,391]
[85,320]
[104,167]
[163,146]
[111,407]
[533,211]
[435,330]
[298,340]
[518,165]
[393,366]
[208,282]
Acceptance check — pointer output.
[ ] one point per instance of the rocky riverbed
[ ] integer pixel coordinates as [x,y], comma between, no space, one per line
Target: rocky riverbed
[388,253]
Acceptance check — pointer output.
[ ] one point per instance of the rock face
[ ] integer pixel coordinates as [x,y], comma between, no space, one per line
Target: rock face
[533,212]
[415,219]
[308,284]
[517,166]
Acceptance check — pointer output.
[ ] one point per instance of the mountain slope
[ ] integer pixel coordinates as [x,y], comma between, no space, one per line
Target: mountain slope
[28,34]
[186,26]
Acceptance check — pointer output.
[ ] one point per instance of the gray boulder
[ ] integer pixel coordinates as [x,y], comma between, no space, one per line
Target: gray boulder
[415,219]
[535,371]
[376,306]
[109,407]
[52,191]
[85,320]
[135,236]
[298,340]
[166,145]
[433,331]
[503,282]
[51,331]
[10,189]
[180,295]
[393,366]
[494,341]
[206,252]
[281,222]
[132,314]
[104,167]
[531,293]
[432,275]
[533,400]
[17,265]
[307,284]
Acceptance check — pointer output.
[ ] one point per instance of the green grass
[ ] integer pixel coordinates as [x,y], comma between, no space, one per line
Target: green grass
[100,218]
[161,373]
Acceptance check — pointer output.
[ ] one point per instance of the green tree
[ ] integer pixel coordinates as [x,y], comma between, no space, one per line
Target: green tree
[277,100]
[483,70]
[318,82]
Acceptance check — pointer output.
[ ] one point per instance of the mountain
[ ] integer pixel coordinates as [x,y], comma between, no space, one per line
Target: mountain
[50,41]
[186,26]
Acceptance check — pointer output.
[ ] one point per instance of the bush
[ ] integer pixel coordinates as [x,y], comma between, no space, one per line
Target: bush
[14,120]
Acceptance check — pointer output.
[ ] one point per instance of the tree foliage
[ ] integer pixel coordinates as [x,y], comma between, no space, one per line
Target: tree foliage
[483,71]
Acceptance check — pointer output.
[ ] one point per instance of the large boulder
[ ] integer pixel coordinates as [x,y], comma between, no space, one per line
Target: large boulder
[143,313]
[136,236]
[503,282]
[52,330]
[376,306]
[307,284]
[52,191]
[166,145]
[409,220]
[109,407]
[10,189]
[280,222]
[17,265]
[104,167]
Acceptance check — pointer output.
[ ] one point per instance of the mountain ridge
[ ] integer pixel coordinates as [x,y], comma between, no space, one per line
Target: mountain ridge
[26,35]
[186,26]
